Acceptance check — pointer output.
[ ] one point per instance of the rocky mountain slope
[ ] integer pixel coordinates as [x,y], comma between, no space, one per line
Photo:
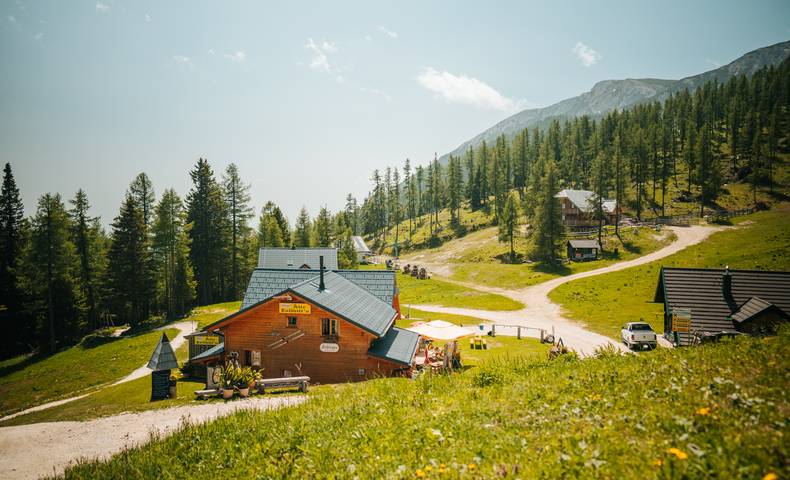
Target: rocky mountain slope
[608,95]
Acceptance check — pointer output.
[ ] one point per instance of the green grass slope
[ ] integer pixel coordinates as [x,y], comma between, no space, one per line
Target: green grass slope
[605,302]
[438,292]
[28,381]
[716,411]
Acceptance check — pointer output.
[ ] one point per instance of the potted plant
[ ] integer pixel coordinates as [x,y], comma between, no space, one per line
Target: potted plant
[174,378]
[227,381]
[243,379]
[254,377]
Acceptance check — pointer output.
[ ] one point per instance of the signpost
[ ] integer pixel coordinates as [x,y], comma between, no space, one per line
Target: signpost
[329,347]
[681,320]
[295,308]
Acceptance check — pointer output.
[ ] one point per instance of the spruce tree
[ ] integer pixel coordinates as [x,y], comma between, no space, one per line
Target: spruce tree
[237,199]
[11,248]
[323,228]
[130,280]
[170,241]
[301,237]
[86,235]
[142,191]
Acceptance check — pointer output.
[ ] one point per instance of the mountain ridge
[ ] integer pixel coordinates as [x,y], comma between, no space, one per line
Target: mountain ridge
[607,95]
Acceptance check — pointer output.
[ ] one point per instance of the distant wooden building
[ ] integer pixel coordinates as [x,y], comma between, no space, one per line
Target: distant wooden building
[701,302]
[331,325]
[578,209]
[580,250]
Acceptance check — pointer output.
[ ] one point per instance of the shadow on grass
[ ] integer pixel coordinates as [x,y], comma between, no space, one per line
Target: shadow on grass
[552,268]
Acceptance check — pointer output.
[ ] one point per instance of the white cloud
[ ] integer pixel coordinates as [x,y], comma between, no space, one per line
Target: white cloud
[465,90]
[102,7]
[147,18]
[377,92]
[320,56]
[387,32]
[38,36]
[586,55]
[11,19]
[211,52]
[368,38]
[183,60]
[238,57]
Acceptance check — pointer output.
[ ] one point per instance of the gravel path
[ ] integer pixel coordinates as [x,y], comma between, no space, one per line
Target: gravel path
[32,451]
[184,328]
[542,313]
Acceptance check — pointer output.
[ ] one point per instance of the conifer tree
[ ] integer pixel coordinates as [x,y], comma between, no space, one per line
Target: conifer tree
[142,191]
[129,279]
[508,222]
[12,243]
[86,236]
[237,199]
[302,229]
[323,228]
[171,256]
[548,217]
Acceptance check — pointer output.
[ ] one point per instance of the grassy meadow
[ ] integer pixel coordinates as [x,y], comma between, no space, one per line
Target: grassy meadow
[715,411]
[439,292]
[603,303]
[27,381]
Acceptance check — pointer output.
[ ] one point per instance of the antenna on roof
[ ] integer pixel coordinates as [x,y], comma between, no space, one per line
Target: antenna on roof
[321,286]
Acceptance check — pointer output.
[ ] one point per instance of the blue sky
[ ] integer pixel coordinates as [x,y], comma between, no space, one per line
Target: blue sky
[307,98]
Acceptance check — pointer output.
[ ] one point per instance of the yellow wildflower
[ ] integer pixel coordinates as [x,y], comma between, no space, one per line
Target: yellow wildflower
[658,462]
[441,470]
[419,473]
[428,468]
[770,476]
[704,411]
[472,466]
[680,454]
[442,465]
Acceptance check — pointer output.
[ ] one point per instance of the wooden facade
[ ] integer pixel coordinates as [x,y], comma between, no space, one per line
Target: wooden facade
[265,338]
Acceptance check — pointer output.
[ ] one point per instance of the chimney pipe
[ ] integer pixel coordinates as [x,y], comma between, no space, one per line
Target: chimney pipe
[726,288]
[321,286]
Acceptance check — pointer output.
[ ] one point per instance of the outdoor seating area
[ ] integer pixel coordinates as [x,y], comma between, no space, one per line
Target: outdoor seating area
[416,272]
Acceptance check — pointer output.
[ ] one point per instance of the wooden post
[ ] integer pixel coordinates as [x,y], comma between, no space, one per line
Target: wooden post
[518,336]
[493,329]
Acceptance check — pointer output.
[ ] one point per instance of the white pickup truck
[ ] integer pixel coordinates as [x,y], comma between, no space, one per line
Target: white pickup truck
[638,334]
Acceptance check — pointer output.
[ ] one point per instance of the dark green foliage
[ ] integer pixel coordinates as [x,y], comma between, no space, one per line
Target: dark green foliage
[301,236]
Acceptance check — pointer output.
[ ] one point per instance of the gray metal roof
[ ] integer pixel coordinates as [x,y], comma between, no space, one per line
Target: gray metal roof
[582,199]
[398,346]
[296,258]
[700,290]
[359,245]
[754,306]
[218,349]
[267,282]
[585,244]
[349,301]
[163,357]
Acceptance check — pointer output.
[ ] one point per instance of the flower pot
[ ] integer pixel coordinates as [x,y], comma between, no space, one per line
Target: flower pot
[245,392]
[227,393]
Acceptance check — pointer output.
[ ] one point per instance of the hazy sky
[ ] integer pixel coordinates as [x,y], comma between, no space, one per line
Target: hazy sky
[308,98]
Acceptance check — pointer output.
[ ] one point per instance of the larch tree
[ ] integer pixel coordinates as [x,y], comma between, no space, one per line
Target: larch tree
[170,241]
[509,221]
[86,236]
[548,217]
[323,228]
[237,199]
[142,192]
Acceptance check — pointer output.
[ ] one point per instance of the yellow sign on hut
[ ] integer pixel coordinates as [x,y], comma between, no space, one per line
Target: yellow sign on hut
[207,340]
[681,320]
[295,308]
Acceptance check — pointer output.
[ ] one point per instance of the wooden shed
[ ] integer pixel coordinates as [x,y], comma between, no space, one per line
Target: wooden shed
[163,359]
[580,250]
[705,302]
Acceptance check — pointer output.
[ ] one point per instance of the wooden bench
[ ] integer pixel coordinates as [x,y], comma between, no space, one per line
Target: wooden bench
[204,394]
[286,382]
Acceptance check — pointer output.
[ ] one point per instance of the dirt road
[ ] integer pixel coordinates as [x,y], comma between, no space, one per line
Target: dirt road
[32,451]
[184,328]
[542,313]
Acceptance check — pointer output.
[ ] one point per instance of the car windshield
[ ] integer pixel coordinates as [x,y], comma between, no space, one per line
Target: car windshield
[640,326]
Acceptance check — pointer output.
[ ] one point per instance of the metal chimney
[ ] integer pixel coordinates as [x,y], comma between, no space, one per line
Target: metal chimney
[321,286]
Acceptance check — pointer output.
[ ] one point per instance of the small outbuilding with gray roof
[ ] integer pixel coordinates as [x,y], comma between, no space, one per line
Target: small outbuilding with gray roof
[583,250]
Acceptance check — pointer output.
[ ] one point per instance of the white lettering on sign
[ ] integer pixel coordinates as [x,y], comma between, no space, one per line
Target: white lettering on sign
[329,347]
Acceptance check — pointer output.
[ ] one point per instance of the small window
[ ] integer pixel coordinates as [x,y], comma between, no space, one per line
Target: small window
[256,358]
[361,371]
[291,322]
[247,357]
[329,326]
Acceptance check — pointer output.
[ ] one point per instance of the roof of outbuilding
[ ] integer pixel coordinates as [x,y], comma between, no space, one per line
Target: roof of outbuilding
[398,346]
[267,282]
[296,258]
[582,199]
[214,351]
[349,301]
[163,357]
[585,244]
[359,244]
[753,307]
[700,291]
